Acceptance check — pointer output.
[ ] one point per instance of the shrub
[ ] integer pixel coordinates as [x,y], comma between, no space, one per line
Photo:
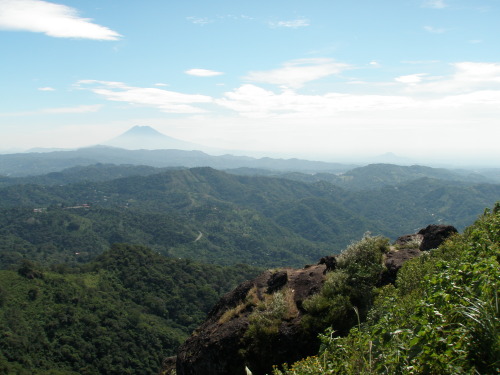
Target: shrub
[351,285]
[443,317]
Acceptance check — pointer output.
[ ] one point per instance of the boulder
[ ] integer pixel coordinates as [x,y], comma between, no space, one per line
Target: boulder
[330,262]
[435,235]
[277,281]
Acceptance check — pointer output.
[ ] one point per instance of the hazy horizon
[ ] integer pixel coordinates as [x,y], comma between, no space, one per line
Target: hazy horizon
[319,80]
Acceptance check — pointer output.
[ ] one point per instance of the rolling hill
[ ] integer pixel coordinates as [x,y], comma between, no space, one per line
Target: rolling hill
[216,217]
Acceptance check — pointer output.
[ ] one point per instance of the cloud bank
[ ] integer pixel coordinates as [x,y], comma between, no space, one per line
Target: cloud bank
[55,20]
[296,73]
[470,84]
[164,100]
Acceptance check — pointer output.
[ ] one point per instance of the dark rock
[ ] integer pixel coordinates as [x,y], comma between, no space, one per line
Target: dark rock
[168,366]
[410,246]
[220,347]
[277,281]
[409,241]
[217,346]
[330,262]
[393,262]
[435,235]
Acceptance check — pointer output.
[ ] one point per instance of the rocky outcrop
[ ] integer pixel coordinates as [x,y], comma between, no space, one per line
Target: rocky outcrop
[409,241]
[435,235]
[222,345]
[410,246]
[394,260]
[217,346]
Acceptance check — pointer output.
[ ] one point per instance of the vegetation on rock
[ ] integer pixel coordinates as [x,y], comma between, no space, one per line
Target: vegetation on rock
[442,317]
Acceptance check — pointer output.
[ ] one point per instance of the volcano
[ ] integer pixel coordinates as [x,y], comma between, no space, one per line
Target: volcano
[147,138]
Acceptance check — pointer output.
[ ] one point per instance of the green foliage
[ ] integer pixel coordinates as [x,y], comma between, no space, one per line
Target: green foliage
[29,270]
[262,338]
[443,317]
[265,321]
[349,287]
[262,221]
[121,314]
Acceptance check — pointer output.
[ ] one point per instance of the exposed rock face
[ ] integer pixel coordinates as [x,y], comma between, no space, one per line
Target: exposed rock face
[435,235]
[393,262]
[277,281]
[217,348]
[410,246]
[221,346]
[409,241]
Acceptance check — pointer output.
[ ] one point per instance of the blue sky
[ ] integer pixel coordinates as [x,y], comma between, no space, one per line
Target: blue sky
[317,79]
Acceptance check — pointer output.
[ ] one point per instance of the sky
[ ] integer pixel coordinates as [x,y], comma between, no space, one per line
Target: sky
[318,79]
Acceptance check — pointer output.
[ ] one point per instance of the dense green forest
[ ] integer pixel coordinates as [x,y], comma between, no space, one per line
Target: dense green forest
[216,217]
[107,269]
[120,314]
[441,317]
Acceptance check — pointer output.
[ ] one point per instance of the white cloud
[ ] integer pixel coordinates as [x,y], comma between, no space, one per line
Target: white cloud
[46,89]
[434,30]
[411,79]
[436,4]
[203,73]
[293,24]
[54,20]
[202,21]
[471,86]
[296,73]
[166,101]
[467,77]
[78,109]
[253,101]
[483,98]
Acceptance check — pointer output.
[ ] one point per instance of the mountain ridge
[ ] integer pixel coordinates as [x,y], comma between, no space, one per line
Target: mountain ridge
[256,220]
[145,137]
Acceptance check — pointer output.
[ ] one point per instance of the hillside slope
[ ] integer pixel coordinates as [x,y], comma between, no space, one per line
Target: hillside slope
[222,218]
[441,317]
[121,314]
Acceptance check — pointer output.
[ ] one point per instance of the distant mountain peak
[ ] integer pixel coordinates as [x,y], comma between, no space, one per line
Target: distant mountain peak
[146,137]
[143,130]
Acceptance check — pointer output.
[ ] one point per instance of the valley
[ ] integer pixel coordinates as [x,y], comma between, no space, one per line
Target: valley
[140,253]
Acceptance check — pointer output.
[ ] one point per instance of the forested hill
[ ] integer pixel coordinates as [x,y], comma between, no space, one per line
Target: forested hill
[94,172]
[121,314]
[217,217]
[106,269]
[369,177]
[26,164]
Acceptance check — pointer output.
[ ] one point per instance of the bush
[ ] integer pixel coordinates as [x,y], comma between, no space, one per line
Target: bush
[352,284]
[443,317]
